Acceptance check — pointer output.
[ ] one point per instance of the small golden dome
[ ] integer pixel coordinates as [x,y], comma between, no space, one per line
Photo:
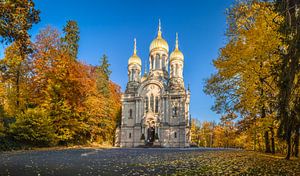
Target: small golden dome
[176,54]
[159,42]
[135,59]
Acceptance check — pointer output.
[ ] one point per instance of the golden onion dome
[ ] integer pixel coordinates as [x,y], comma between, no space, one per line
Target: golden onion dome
[135,59]
[176,54]
[159,42]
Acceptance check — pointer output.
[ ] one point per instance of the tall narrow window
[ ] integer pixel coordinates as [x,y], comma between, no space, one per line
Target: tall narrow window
[147,104]
[175,111]
[129,135]
[133,74]
[130,113]
[152,63]
[156,104]
[163,62]
[152,103]
[175,135]
[157,62]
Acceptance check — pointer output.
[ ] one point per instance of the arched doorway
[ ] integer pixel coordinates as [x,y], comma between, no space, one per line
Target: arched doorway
[150,124]
[150,135]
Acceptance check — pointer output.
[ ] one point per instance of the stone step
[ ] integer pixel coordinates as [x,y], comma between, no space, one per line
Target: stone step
[149,146]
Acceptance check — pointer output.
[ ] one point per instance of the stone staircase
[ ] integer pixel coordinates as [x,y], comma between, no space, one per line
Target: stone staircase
[151,145]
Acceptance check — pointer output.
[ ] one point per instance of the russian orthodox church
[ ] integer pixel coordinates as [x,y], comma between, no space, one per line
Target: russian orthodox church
[155,106]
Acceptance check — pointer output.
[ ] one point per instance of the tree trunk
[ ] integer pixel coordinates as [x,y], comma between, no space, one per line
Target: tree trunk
[296,142]
[18,88]
[259,143]
[289,146]
[267,142]
[255,139]
[254,135]
[272,141]
[289,67]
[266,134]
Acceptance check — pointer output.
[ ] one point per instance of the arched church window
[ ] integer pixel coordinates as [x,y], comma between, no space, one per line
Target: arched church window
[164,62]
[152,63]
[156,104]
[176,69]
[180,70]
[130,113]
[133,74]
[129,135]
[147,104]
[175,135]
[152,102]
[157,63]
[175,109]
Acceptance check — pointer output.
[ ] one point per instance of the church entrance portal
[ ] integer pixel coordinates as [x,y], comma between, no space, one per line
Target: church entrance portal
[150,135]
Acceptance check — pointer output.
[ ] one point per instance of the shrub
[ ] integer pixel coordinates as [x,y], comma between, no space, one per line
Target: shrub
[34,127]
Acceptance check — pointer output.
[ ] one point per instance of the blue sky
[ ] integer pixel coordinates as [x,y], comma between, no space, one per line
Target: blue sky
[109,27]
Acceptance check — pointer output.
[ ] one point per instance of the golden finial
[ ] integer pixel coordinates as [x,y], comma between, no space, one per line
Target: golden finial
[145,69]
[159,28]
[159,25]
[134,49]
[176,45]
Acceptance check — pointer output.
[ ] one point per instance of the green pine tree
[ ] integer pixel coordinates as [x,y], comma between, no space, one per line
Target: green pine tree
[71,38]
[103,74]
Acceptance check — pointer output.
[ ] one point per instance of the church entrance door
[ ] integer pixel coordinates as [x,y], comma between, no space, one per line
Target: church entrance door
[150,135]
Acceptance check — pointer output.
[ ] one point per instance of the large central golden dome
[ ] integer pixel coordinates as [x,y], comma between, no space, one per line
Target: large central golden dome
[159,42]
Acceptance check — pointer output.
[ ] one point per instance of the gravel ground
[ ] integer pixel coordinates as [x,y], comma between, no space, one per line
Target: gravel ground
[155,161]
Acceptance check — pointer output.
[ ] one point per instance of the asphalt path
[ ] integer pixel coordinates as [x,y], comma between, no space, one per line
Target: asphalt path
[116,161]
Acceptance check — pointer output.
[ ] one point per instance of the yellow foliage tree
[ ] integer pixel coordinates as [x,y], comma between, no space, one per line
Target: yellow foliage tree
[245,81]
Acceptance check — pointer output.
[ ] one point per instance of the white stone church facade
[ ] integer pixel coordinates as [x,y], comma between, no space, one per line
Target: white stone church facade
[155,106]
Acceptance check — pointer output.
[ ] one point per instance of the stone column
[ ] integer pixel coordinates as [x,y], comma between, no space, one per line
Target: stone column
[163,108]
[139,114]
[160,61]
[168,110]
[158,133]
[136,111]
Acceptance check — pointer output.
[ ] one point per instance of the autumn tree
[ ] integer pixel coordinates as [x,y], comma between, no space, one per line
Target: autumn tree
[16,18]
[63,84]
[52,96]
[211,134]
[244,82]
[16,75]
[288,70]
[82,102]
[195,132]
[2,112]
[105,105]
